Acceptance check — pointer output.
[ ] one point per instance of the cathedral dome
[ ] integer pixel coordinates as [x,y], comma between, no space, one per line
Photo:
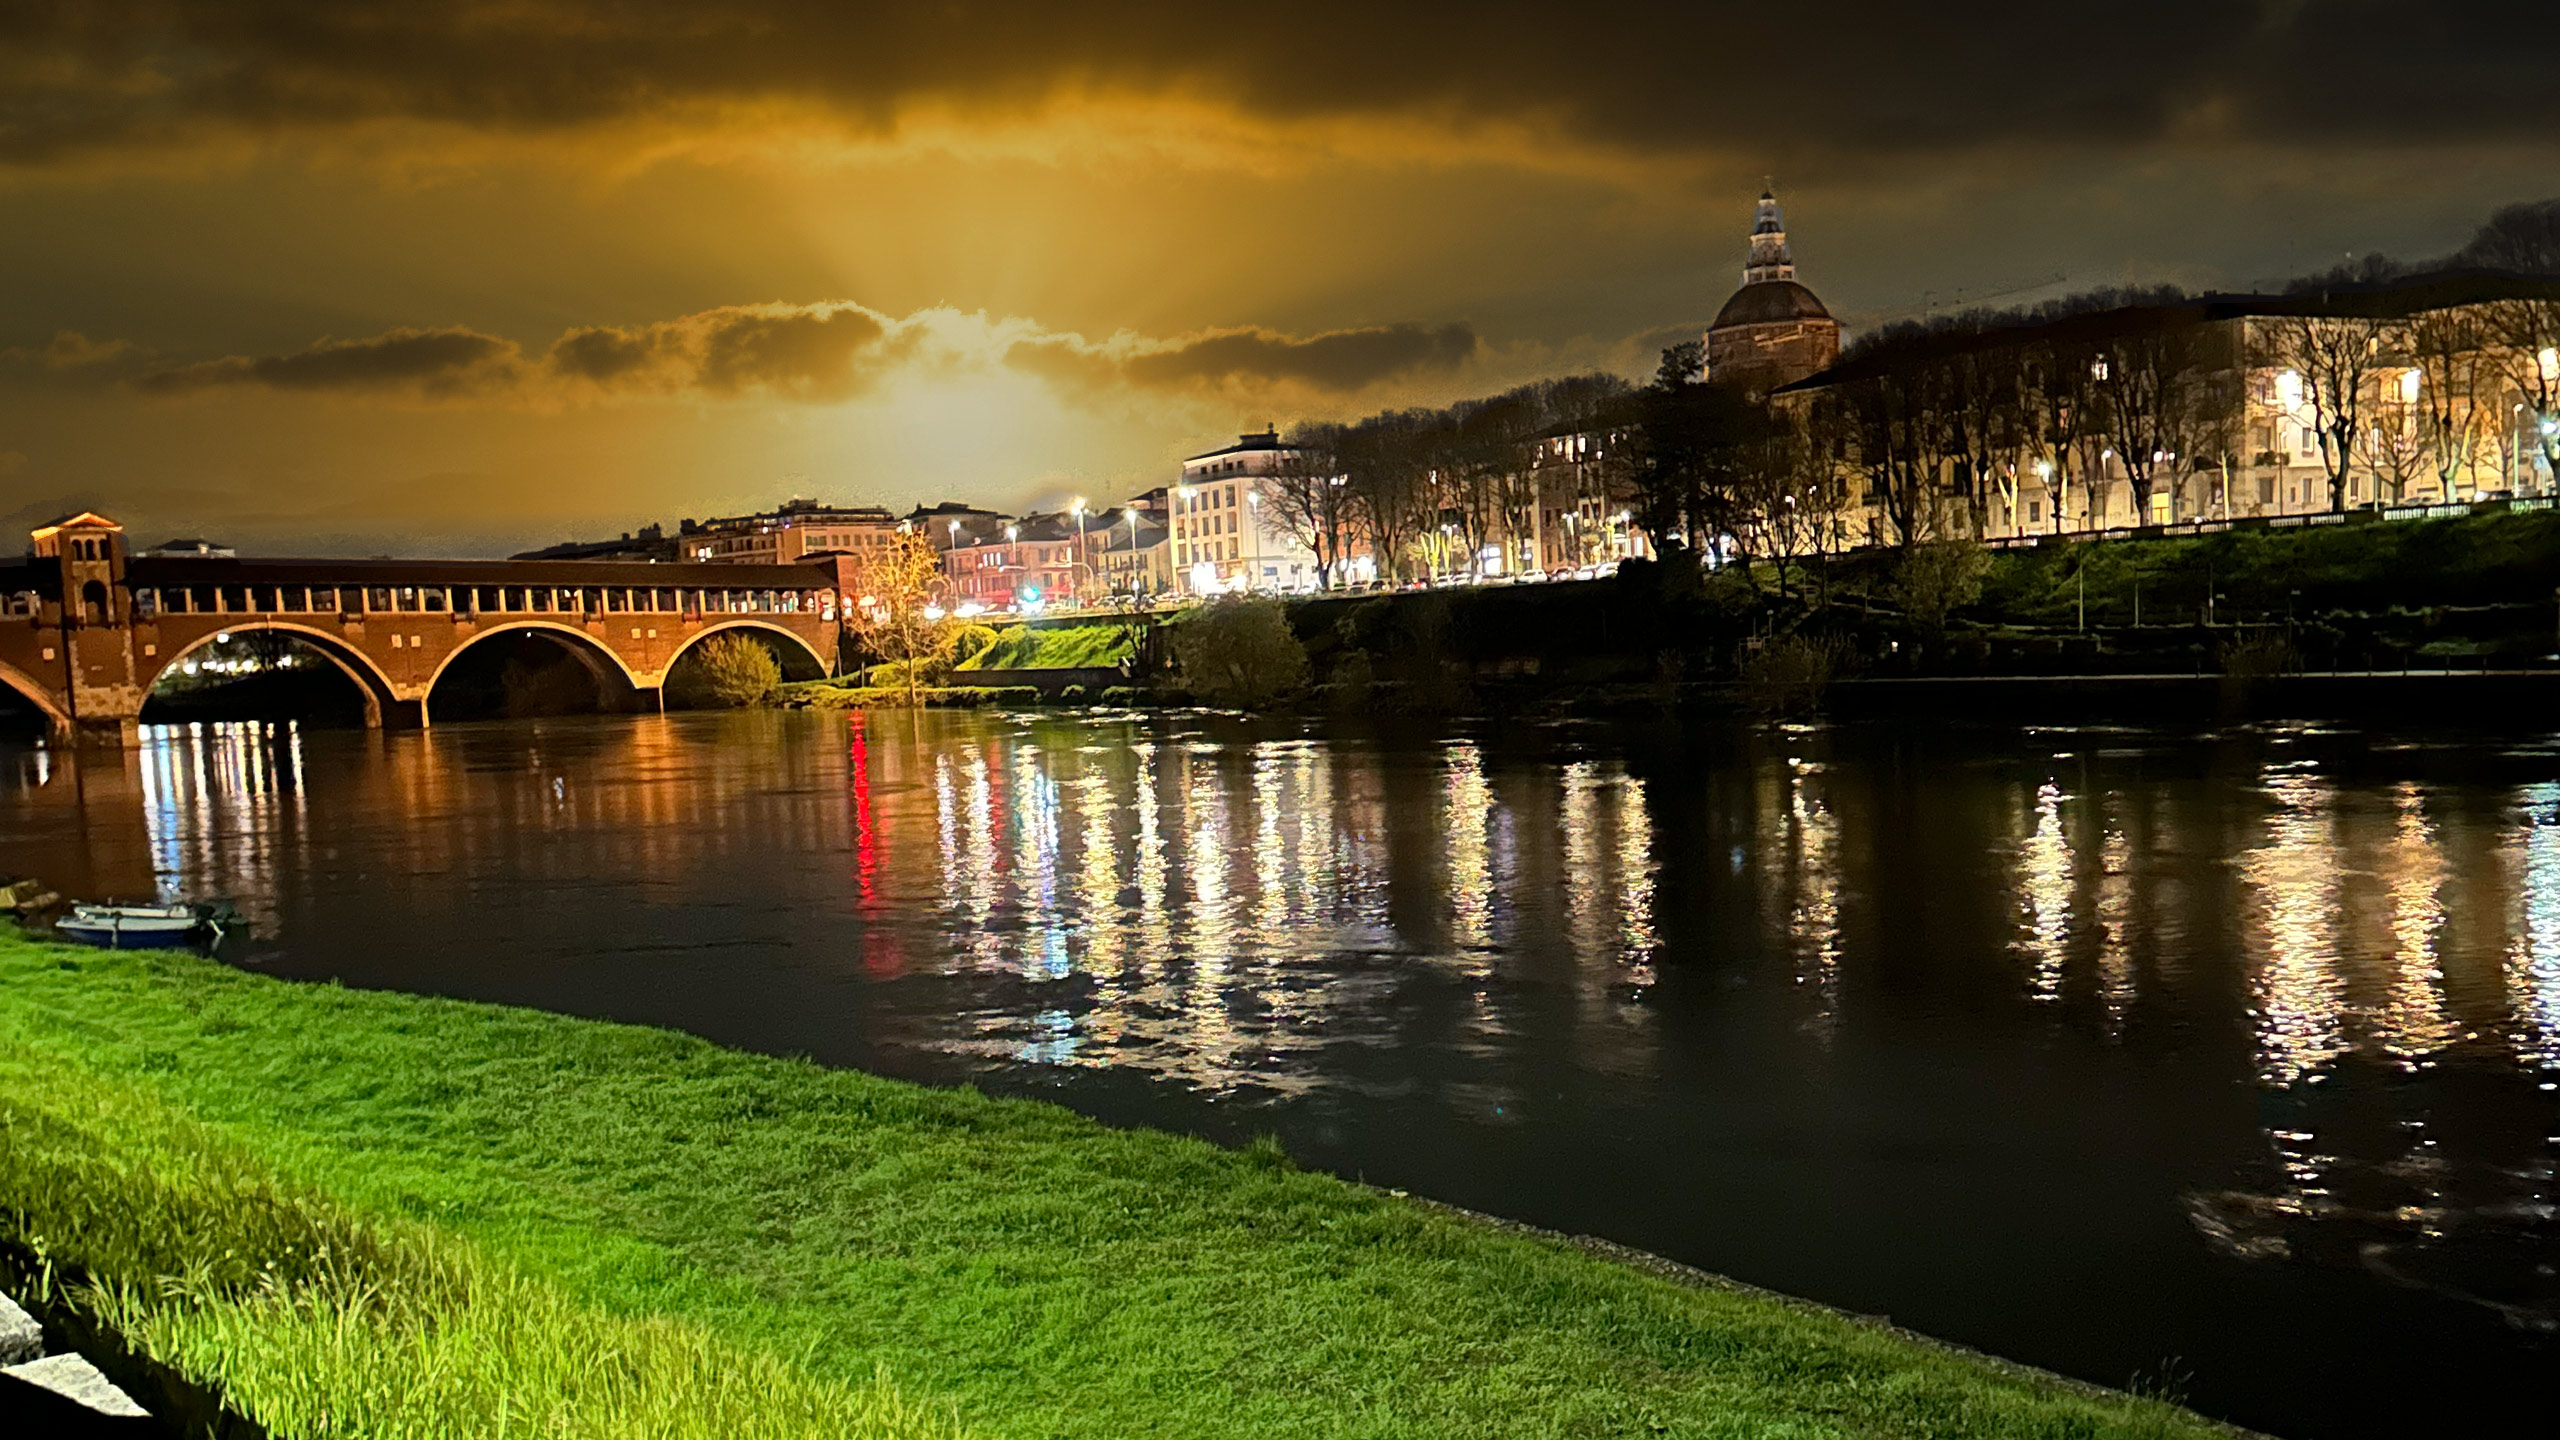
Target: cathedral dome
[1772,332]
[1770,302]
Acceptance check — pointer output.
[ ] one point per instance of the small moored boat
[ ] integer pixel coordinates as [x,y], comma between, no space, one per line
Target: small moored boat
[138,927]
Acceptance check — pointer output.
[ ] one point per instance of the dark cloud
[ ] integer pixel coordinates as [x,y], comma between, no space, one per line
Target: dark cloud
[1754,78]
[450,361]
[71,350]
[1335,361]
[604,354]
[811,351]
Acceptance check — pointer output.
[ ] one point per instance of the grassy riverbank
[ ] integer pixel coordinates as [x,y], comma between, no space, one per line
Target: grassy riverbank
[381,1213]
[1100,645]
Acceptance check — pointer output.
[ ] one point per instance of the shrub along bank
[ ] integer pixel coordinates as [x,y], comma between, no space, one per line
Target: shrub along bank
[371,1213]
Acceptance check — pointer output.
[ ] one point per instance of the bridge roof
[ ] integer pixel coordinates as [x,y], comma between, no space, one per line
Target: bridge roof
[222,570]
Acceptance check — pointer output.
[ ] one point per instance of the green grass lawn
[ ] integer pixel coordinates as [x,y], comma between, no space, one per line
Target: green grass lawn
[1053,647]
[370,1213]
[2367,566]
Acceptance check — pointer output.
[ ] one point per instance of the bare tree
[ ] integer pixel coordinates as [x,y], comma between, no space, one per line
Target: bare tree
[1790,502]
[1982,414]
[2523,239]
[2457,380]
[895,616]
[1492,470]
[2334,359]
[2398,452]
[2054,415]
[1307,496]
[2526,331]
[1386,464]
[1886,425]
[2166,393]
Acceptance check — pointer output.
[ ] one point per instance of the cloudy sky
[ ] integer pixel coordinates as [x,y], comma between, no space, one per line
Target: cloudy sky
[464,275]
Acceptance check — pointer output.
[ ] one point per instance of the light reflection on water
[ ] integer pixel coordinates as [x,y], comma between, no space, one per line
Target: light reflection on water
[1662,958]
[1193,899]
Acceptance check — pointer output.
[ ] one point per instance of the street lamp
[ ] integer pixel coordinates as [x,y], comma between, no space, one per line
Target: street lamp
[1079,560]
[1181,529]
[1253,519]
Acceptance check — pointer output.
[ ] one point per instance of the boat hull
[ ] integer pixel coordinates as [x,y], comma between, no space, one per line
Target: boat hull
[139,928]
[113,938]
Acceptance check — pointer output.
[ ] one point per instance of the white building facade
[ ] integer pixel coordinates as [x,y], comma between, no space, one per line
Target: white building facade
[1222,541]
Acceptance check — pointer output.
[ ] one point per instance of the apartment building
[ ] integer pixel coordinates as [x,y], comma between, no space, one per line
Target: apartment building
[786,533]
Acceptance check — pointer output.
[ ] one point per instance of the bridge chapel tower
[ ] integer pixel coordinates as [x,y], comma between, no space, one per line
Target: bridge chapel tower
[92,633]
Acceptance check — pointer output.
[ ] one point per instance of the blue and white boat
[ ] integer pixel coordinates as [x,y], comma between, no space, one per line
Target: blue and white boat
[139,927]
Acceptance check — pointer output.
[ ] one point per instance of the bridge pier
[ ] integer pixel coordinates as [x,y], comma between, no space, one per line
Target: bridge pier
[104,731]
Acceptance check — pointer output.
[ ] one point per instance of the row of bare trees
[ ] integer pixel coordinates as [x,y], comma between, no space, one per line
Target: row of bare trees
[1942,426]
[2446,371]
[1426,491]
[2444,393]
[2397,385]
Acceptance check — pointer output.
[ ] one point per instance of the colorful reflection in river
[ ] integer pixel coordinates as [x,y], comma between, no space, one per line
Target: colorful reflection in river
[1217,909]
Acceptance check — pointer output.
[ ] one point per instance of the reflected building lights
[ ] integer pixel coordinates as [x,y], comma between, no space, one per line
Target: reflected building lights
[2296,990]
[2533,950]
[1468,811]
[2413,1023]
[2115,926]
[1801,876]
[2047,883]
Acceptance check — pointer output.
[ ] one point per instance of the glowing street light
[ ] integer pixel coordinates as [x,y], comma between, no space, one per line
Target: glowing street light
[1253,522]
[1079,560]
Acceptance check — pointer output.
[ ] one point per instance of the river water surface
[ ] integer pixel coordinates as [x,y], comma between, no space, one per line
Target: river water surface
[2216,1061]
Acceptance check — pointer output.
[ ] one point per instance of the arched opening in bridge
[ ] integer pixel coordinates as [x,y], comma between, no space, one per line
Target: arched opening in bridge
[693,682]
[261,674]
[22,720]
[93,603]
[532,671]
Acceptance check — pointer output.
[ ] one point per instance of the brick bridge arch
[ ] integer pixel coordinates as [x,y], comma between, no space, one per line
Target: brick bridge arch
[760,627]
[370,682]
[26,686]
[617,687]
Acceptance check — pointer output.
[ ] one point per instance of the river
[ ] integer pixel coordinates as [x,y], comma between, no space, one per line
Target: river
[2217,1061]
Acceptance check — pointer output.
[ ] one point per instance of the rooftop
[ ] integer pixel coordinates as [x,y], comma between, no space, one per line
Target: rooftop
[1261,442]
[1769,302]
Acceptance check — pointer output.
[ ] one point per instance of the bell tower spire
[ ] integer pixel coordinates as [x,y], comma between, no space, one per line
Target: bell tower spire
[1770,257]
